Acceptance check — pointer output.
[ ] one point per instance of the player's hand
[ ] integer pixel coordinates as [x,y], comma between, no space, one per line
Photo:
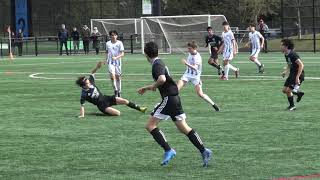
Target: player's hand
[283,74]
[215,48]
[141,91]
[183,61]
[297,81]
[114,58]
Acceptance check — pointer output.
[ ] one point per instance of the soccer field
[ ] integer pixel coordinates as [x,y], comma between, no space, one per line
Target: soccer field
[253,137]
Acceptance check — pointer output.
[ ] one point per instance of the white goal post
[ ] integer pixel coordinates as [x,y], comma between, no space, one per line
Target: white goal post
[172,33]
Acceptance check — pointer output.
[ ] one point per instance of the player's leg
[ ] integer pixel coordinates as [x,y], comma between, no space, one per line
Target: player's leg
[181,83]
[118,79]
[61,45]
[226,69]
[112,74]
[287,90]
[66,46]
[112,111]
[254,58]
[195,139]
[159,137]
[123,101]
[204,96]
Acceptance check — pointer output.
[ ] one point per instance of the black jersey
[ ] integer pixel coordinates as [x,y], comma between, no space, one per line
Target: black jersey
[169,88]
[291,59]
[92,95]
[214,41]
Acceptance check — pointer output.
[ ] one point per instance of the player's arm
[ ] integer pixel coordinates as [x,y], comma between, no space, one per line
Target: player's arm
[285,71]
[261,40]
[81,107]
[300,69]
[98,66]
[194,67]
[152,87]
[119,56]
[235,46]
[221,47]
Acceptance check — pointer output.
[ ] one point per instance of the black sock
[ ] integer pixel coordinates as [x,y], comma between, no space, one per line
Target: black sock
[295,93]
[158,136]
[196,140]
[133,106]
[215,65]
[290,99]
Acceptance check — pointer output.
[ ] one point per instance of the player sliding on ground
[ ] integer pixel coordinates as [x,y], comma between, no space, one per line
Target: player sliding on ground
[254,40]
[170,107]
[193,73]
[296,76]
[92,94]
[230,49]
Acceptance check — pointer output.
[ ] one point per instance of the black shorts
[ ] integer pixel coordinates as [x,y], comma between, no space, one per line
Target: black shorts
[291,81]
[107,101]
[170,107]
[214,54]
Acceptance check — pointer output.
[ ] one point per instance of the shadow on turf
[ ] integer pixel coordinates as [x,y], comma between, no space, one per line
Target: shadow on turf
[97,114]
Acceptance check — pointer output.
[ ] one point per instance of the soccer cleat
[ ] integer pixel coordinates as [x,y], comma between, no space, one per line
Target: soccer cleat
[206,156]
[300,94]
[261,69]
[216,107]
[143,109]
[168,155]
[291,108]
[223,78]
[237,72]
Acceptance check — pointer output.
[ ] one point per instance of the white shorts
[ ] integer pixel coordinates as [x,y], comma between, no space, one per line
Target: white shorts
[113,69]
[193,79]
[255,53]
[228,55]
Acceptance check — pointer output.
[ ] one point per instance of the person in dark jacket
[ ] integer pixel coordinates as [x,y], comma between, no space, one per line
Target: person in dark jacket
[20,41]
[75,38]
[63,38]
[85,34]
[95,36]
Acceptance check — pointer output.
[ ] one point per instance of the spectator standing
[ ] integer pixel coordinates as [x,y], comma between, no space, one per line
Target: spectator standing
[63,38]
[263,29]
[85,34]
[75,38]
[95,35]
[19,40]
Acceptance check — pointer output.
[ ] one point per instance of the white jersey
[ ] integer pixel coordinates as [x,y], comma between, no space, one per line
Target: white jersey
[254,38]
[114,49]
[194,60]
[228,37]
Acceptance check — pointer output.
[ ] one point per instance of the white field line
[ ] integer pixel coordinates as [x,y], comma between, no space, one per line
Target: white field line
[246,78]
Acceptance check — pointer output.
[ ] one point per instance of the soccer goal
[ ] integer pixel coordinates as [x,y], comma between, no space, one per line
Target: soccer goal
[172,33]
[128,29]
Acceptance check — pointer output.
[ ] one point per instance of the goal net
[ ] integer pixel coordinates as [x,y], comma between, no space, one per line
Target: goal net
[128,29]
[172,33]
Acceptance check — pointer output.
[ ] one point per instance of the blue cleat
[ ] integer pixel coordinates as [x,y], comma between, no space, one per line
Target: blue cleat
[206,156]
[168,155]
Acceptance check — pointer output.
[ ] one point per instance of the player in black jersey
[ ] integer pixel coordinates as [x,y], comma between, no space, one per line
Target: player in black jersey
[92,94]
[296,73]
[215,42]
[170,107]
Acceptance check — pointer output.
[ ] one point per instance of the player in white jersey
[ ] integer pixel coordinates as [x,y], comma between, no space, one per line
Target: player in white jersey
[115,51]
[230,49]
[193,73]
[254,40]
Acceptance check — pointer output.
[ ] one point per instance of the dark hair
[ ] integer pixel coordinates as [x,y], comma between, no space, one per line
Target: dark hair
[151,49]
[252,25]
[287,43]
[81,81]
[208,28]
[114,32]
[225,23]
[192,44]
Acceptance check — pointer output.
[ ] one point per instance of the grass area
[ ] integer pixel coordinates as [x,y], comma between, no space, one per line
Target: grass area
[253,137]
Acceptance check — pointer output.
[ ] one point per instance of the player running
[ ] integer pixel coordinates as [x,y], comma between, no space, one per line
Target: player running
[170,107]
[230,49]
[193,73]
[296,76]
[254,40]
[92,94]
[115,51]
[214,42]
